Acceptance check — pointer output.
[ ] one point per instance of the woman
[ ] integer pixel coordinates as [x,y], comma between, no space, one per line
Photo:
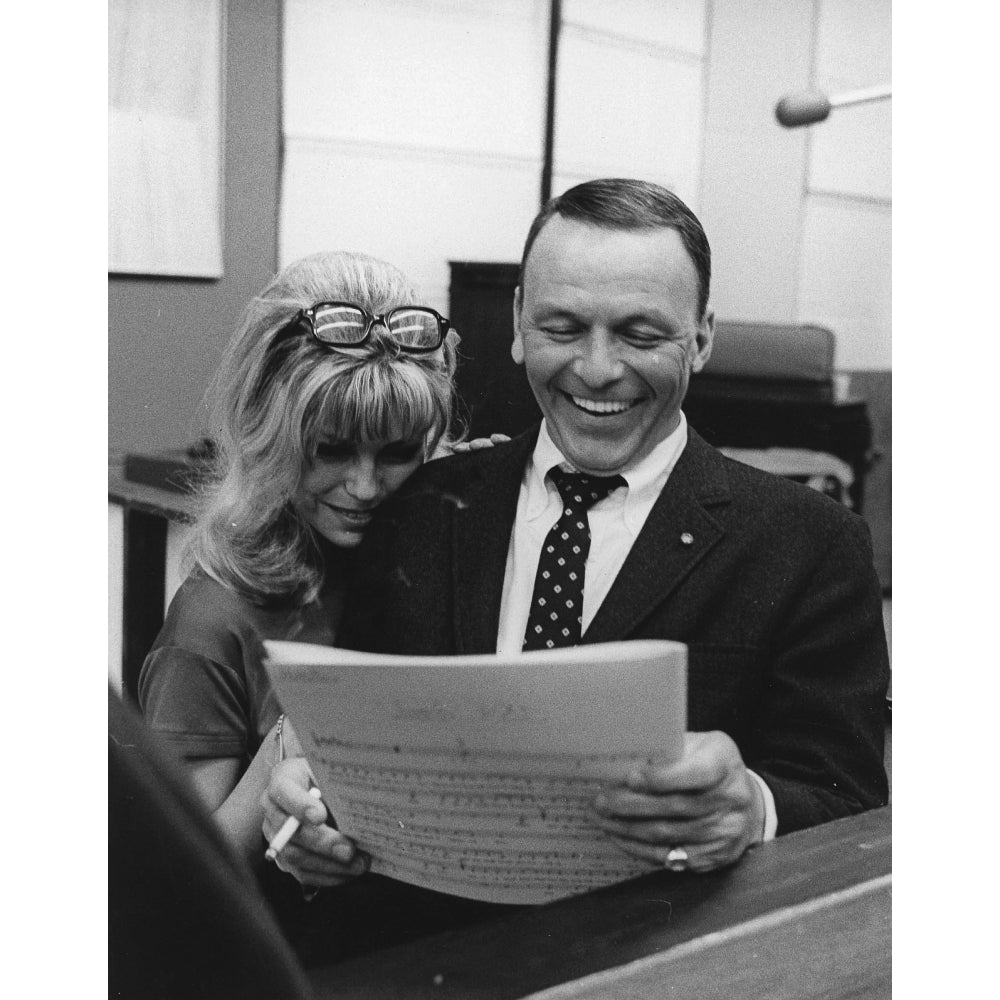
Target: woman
[334,389]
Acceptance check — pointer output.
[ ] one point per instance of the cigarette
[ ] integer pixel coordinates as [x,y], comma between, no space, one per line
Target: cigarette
[287,831]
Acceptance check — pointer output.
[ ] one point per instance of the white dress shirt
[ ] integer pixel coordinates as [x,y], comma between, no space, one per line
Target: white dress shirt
[615,523]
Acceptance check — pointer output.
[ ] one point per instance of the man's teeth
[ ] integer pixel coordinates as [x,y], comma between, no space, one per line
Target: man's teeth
[600,406]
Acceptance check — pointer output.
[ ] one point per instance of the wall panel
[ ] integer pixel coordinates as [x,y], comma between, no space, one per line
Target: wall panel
[845,266]
[165,335]
[626,110]
[846,279]
[416,134]
[463,76]
[674,24]
[851,150]
[165,88]
[416,208]
[753,173]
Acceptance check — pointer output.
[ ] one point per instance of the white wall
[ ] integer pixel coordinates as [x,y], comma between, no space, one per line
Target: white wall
[751,202]
[413,129]
[417,133]
[845,266]
[800,219]
[630,93]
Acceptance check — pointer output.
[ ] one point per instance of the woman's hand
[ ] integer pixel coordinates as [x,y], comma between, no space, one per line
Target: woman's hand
[318,855]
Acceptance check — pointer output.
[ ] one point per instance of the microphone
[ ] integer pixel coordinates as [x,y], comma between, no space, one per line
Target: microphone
[811,106]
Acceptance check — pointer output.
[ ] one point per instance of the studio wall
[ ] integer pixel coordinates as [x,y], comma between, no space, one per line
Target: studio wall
[413,129]
[165,335]
[424,167]
[432,151]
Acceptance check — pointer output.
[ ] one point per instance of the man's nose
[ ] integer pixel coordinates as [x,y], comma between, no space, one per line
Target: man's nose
[363,480]
[598,362]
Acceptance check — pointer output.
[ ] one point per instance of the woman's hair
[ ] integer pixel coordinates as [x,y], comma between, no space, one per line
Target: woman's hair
[277,390]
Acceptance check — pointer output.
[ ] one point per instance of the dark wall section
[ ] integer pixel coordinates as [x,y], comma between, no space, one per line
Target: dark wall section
[165,335]
[875,387]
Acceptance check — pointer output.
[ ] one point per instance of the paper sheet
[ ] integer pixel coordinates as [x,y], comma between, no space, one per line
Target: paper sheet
[474,775]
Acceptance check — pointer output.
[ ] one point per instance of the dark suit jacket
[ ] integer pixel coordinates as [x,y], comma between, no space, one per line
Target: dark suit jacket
[776,598]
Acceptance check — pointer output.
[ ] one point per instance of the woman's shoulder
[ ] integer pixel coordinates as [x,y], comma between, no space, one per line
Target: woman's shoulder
[215,620]
[203,683]
[202,596]
[205,614]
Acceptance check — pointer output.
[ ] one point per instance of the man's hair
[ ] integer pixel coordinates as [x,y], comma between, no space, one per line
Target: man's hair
[277,391]
[626,204]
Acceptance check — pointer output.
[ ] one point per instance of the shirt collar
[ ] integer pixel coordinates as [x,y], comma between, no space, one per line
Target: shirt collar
[645,479]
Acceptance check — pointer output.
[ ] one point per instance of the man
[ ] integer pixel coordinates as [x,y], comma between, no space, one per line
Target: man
[770,584]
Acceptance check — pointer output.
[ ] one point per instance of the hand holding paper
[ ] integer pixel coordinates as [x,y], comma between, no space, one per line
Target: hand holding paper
[318,855]
[474,775]
[706,803]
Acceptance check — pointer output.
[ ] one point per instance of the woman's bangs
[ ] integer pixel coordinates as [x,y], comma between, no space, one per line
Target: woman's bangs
[379,403]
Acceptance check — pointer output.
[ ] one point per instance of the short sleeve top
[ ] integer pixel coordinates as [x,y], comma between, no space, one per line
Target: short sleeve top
[203,688]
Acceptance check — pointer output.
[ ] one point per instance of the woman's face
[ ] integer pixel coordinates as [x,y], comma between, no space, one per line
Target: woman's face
[348,479]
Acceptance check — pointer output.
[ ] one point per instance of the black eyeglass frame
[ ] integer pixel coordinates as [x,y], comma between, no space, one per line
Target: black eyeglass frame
[307,318]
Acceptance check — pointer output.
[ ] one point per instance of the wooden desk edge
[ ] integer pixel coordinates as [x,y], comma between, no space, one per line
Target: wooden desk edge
[740,960]
[642,921]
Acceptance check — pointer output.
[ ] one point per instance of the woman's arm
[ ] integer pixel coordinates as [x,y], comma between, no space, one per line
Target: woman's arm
[252,808]
[234,801]
[198,686]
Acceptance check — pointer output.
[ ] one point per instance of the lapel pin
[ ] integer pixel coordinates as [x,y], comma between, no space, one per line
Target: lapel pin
[687,538]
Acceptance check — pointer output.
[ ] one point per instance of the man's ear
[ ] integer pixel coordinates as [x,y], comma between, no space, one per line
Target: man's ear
[517,347]
[703,341]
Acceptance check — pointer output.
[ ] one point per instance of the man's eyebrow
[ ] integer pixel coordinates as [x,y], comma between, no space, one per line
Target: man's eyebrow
[555,312]
[653,316]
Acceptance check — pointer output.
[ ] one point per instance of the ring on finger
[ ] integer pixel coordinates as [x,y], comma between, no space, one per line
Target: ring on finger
[677,859]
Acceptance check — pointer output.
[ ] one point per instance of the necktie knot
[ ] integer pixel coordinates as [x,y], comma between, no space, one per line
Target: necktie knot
[580,491]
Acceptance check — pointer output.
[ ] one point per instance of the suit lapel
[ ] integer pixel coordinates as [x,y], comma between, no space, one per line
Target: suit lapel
[483,522]
[677,535]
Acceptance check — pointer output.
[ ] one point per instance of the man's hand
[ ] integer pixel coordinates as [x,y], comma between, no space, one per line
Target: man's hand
[317,855]
[477,444]
[707,803]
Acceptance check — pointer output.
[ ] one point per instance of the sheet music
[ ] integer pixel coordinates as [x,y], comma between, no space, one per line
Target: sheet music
[474,775]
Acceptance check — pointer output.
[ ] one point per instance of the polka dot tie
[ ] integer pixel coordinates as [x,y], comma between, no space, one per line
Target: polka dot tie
[556,614]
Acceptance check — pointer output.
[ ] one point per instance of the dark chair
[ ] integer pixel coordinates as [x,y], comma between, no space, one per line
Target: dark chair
[186,919]
[769,396]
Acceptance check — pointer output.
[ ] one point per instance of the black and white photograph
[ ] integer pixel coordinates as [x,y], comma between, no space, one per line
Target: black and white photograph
[500,453]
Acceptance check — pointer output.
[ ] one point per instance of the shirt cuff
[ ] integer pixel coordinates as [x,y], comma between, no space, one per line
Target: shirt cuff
[770,813]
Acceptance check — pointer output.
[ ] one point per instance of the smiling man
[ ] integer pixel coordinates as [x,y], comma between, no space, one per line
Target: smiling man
[645,531]
[609,326]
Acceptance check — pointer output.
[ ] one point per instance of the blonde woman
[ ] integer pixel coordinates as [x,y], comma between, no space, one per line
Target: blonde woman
[335,388]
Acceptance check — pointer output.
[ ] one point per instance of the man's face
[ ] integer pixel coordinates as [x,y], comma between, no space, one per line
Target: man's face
[606,326]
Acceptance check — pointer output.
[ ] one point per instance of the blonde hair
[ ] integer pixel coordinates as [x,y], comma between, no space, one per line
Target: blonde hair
[276,390]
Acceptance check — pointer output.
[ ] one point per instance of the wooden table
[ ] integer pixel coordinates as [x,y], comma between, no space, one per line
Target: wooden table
[807,915]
